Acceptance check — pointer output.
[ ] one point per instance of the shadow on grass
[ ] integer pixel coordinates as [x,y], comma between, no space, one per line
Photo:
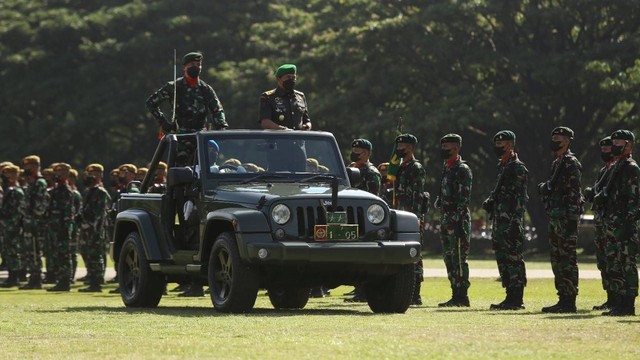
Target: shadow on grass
[205,311]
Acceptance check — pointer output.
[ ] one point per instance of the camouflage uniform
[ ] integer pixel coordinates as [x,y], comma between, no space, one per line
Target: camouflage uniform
[75,240]
[61,217]
[287,109]
[94,213]
[11,215]
[622,211]
[371,178]
[455,228]
[509,204]
[35,226]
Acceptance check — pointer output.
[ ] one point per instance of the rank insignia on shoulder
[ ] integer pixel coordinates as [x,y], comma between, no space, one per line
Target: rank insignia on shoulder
[270,92]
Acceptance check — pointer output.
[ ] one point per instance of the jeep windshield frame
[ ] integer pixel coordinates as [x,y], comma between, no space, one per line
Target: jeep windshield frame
[278,156]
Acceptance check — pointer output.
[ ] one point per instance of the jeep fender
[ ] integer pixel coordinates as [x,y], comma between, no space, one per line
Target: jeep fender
[403,224]
[249,226]
[142,222]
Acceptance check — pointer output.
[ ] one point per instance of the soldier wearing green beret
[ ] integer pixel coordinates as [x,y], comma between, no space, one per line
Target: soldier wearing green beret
[195,101]
[455,227]
[562,197]
[621,199]
[284,107]
[506,206]
[600,240]
[410,193]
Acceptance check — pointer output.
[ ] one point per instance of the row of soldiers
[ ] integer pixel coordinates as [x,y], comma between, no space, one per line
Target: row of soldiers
[616,204]
[42,213]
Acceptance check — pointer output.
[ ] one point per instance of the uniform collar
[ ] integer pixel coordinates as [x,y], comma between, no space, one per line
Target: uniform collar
[452,162]
[191,81]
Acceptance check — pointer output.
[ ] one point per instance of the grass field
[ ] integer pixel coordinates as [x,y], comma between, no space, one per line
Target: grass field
[37,324]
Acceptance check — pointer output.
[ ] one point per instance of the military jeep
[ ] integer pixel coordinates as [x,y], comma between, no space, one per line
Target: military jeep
[257,209]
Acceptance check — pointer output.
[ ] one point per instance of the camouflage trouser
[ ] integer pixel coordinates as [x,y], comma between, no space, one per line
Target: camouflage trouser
[92,250]
[48,249]
[564,261]
[12,247]
[509,250]
[32,255]
[454,236]
[74,245]
[62,247]
[622,255]
[600,242]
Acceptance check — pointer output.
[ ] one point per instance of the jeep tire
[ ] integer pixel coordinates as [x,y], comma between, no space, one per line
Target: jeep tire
[139,286]
[289,298]
[392,294]
[233,284]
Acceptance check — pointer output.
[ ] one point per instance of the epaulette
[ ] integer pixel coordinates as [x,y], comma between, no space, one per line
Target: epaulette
[298,92]
[269,92]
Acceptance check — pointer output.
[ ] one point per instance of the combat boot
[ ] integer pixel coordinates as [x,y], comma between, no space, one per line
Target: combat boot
[516,302]
[62,285]
[554,308]
[91,288]
[22,275]
[626,308]
[195,290]
[417,299]
[566,305]
[507,299]
[451,302]
[616,304]
[607,304]
[35,283]
[50,278]
[462,299]
[11,281]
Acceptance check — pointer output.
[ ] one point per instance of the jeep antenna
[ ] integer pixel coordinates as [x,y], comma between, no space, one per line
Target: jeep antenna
[175,86]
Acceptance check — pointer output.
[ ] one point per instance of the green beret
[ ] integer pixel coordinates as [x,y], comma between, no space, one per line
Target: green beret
[564,131]
[606,141]
[285,69]
[624,135]
[406,139]
[362,144]
[504,135]
[192,56]
[451,138]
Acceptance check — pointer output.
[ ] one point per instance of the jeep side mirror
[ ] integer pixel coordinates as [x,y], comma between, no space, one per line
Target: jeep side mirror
[134,184]
[354,176]
[179,176]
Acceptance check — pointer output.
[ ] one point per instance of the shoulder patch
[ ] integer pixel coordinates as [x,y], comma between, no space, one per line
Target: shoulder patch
[269,92]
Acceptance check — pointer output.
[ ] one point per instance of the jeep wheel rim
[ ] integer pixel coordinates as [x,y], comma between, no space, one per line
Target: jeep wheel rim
[132,275]
[223,274]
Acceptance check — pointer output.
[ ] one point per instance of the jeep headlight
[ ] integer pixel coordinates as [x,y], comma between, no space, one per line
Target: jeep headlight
[375,214]
[281,214]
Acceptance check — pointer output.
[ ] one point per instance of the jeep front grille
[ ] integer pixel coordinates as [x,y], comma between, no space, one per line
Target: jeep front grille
[310,216]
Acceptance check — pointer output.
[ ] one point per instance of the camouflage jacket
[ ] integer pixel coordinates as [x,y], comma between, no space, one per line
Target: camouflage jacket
[284,108]
[409,187]
[371,178]
[510,197]
[77,203]
[565,198]
[96,203]
[37,198]
[192,105]
[61,208]
[601,181]
[13,207]
[455,188]
[623,192]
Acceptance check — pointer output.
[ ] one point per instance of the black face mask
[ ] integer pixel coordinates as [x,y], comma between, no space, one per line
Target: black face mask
[193,71]
[27,172]
[401,153]
[445,153]
[355,157]
[554,145]
[616,150]
[498,150]
[56,178]
[289,85]
[88,181]
[606,156]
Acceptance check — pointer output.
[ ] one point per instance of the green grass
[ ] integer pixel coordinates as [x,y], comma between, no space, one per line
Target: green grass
[532,261]
[74,325]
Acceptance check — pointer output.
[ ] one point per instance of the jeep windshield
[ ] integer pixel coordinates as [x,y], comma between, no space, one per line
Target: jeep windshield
[271,156]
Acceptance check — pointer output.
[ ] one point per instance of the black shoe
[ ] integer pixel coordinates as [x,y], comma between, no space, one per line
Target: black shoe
[22,276]
[515,301]
[49,279]
[566,305]
[35,283]
[625,308]
[194,291]
[607,305]
[11,281]
[60,287]
[500,305]
[91,289]
[450,302]
[356,299]
[416,301]
[115,291]
[316,292]
[181,288]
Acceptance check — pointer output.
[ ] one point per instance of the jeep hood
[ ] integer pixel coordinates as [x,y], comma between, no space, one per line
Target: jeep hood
[252,193]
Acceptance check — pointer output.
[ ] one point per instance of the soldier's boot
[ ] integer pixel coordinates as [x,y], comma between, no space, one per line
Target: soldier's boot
[554,308]
[91,288]
[35,283]
[607,304]
[417,299]
[62,285]
[12,280]
[316,292]
[500,305]
[566,305]
[516,302]
[195,290]
[50,278]
[616,303]
[451,302]
[115,291]
[360,295]
[626,307]
[462,299]
[22,275]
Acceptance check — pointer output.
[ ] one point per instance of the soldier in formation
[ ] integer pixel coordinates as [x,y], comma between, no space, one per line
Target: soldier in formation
[506,206]
[455,227]
[11,214]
